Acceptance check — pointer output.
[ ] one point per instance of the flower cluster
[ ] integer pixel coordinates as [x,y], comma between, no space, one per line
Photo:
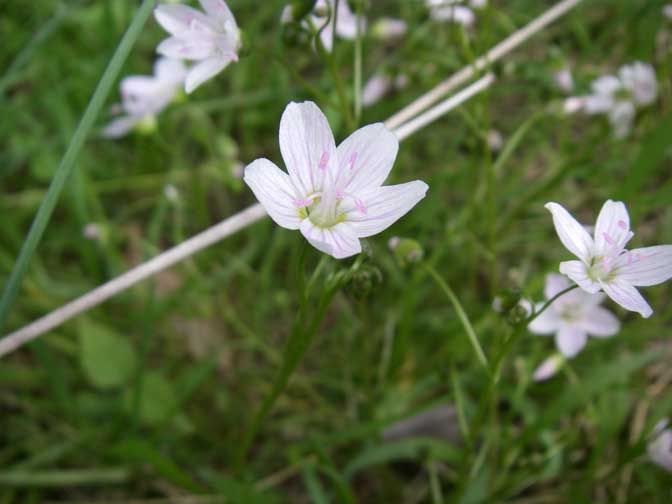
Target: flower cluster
[618,97]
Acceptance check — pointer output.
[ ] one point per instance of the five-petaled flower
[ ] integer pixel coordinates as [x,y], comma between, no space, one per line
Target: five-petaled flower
[334,196]
[143,97]
[604,262]
[572,317]
[212,38]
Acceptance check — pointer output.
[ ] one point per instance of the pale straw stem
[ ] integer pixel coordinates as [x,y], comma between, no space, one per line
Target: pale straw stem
[494,54]
[407,129]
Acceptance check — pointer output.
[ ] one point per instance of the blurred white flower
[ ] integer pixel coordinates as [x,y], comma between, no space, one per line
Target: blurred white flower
[334,196]
[618,97]
[667,11]
[345,25]
[389,28]
[660,447]
[171,193]
[375,88]
[495,140]
[572,317]
[548,368]
[92,231]
[143,97]
[564,80]
[604,262]
[455,10]
[211,38]
[573,104]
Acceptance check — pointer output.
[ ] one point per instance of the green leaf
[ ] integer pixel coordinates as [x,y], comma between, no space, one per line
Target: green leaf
[108,360]
[157,400]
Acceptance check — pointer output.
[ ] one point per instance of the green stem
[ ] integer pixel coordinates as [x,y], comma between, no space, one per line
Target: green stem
[480,355]
[298,343]
[548,303]
[65,478]
[68,162]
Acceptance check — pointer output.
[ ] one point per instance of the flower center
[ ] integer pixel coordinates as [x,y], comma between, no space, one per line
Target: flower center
[571,312]
[602,269]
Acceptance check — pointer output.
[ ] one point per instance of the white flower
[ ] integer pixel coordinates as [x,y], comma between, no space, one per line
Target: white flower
[640,79]
[548,368]
[143,97]
[334,196]
[344,25]
[450,10]
[564,80]
[389,28]
[572,317]
[495,140]
[211,38]
[618,97]
[667,11]
[375,88]
[660,447]
[604,263]
[573,104]
[171,193]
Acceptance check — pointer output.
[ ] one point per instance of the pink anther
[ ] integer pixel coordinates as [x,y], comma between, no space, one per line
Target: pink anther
[302,203]
[608,239]
[622,224]
[361,206]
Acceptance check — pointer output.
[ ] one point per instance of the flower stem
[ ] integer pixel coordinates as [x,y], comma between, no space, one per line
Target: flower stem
[473,339]
[303,334]
[548,303]
[64,170]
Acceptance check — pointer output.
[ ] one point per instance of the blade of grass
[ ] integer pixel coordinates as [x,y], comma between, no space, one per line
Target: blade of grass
[67,164]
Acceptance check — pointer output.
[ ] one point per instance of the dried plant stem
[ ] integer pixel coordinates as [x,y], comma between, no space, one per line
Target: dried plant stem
[494,54]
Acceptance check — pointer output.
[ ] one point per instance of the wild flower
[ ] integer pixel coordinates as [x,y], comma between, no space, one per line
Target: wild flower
[604,263]
[211,38]
[572,317]
[455,10]
[329,22]
[564,80]
[619,96]
[659,448]
[548,368]
[334,196]
[144,97]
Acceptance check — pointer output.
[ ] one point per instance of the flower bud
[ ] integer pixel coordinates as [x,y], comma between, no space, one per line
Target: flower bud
[406,250]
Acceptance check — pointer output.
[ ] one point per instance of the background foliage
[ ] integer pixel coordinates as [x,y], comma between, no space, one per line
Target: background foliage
[147,396]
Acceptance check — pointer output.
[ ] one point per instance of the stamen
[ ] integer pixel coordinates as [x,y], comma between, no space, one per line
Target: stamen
[608,239]
[361,206]
[622,224]
[339,194]
[324,161]
[302,203]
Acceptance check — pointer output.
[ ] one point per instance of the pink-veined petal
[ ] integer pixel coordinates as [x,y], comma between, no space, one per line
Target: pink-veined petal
[599,322]
[377,209]
[346,22]
[307,146]
[177,19]
[546,323]
[203,71]
[274,190]
[220,12]
[572,234]
[627,296]
[646,266]
[570,340]
[365,158]
[612,230]
[576,270]
[339,241]
[193,48]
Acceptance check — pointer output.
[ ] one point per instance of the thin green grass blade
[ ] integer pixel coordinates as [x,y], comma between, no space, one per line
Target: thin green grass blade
[68,162]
